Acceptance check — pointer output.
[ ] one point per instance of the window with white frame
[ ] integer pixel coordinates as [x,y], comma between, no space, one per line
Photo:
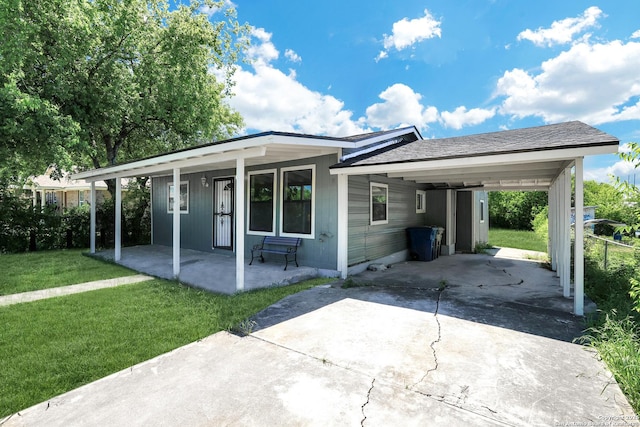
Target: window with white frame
[421,201]
[379,203]
[184,197]
[297,201]
[261,209]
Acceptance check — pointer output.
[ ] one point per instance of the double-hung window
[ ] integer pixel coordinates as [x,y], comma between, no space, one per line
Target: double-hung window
[379,203]
[261,215]
[184,197]
[297,201]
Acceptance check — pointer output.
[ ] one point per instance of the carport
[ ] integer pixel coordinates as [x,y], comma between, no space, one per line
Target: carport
[541,158]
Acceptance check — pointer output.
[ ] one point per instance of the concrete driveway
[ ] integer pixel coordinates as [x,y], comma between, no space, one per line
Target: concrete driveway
[485,342]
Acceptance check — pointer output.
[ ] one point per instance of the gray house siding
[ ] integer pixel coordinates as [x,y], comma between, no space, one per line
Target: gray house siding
[369,242]
[196,227]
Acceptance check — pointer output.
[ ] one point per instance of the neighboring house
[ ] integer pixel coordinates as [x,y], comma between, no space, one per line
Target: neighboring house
[64,193]
[351,199]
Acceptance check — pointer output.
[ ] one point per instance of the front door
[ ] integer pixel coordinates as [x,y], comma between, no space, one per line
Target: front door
[223,213]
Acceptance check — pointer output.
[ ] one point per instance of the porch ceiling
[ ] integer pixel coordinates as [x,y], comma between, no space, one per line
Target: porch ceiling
[271,153]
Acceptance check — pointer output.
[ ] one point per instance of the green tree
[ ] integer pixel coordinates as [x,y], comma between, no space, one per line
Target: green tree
[116,79]
[515,209]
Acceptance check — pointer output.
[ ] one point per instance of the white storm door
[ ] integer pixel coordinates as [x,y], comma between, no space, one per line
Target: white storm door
[223,213]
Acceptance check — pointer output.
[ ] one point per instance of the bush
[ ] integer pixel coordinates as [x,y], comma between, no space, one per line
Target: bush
[515,210]
[25,227]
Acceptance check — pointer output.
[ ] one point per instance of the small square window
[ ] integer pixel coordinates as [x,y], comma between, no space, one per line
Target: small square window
[379,206]
[481,211]
[421,201]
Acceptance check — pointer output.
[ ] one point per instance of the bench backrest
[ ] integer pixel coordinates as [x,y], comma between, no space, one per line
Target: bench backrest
[284,241]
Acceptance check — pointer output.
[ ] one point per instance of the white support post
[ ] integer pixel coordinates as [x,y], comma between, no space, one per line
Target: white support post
[118,220]
[34,194]
[566,216]
[239,214]
[551,232]
[449,229]
[43,197]
[343,225]
[578,275]
[176,223]
[562,227]
[92,221]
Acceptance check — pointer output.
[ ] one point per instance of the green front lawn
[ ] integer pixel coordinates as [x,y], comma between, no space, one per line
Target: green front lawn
[518,239]
[52,346]
[48,269]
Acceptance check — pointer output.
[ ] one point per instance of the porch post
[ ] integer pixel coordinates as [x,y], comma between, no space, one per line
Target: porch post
[343,225]
[240,196]
[566,236]
[92,221]
[551,232]
[561,225]
[578,275]
[42,199]
[176,222]
[34,194]
[118,219]
[449,230]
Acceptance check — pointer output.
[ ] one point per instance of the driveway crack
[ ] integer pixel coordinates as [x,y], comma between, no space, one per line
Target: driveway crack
[437,340]
[364,417]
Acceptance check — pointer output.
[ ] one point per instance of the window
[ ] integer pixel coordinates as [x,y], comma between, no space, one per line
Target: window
[481,210]
[379,203]
[261,214]
[184,197]
[421,201]
[81,200]
[297,212]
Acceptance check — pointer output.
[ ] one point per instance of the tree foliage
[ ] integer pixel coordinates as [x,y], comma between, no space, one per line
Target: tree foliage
[515,209]
[114,80]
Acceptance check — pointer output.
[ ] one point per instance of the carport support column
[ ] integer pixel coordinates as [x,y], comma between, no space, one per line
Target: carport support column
[92,221]
[240,223]
[565,278]
[118,236]
[553,225]
[343,225]
[176,223]
[450,223]
[578,275]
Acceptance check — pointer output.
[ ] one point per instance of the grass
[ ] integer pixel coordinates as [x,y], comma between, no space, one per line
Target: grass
[41,270]
[52,346]
[518,239]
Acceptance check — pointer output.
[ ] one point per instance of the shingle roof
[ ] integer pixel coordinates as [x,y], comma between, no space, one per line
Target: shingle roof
[550,137]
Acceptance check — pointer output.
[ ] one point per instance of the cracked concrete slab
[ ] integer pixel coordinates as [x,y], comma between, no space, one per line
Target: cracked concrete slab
[403,350]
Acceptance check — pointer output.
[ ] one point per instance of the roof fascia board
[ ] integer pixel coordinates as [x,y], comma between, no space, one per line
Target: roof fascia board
[137,169]
[399,132]
[488,160]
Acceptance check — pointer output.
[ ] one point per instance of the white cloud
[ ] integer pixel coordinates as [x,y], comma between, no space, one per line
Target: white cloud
[461,117]
[292,56]
[264,50]
[407,32]
[562,32]
[621,169]
[212,10]
[595,83]
[636,34]
[401,107]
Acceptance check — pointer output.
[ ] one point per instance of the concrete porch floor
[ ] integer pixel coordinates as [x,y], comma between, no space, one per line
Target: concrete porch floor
[210,271]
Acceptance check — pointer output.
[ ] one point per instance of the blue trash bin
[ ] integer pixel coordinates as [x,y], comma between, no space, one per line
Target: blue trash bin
[421,243]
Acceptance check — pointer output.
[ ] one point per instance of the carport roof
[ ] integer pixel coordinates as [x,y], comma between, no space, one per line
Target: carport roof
[528,158]
[563,135]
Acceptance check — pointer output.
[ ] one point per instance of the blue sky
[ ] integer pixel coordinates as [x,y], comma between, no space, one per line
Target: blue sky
[448,67]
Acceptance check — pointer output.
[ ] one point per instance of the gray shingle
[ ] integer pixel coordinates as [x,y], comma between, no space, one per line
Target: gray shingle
[557,136]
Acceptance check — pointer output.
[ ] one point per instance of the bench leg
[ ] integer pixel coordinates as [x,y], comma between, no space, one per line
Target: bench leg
[286,262]
[251,258]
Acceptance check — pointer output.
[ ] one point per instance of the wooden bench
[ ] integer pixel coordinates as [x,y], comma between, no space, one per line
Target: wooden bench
[278,245]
